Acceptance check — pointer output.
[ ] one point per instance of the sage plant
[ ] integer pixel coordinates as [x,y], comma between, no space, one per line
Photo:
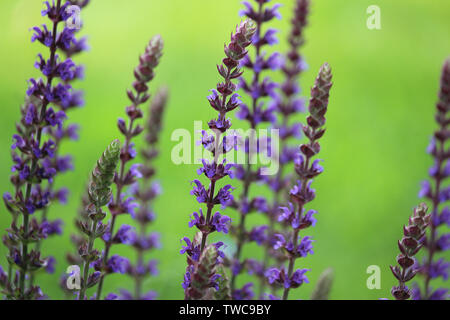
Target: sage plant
[288,104]
[35,151]
[121,203]
[203,258]
[409,245]
[145,192]
[295,214]
[438,193]
[68,132]
[256,113]
[99,191]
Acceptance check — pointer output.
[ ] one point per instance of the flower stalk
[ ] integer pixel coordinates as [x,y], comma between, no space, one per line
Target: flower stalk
[294,214]
[35,151]
[145,193]
[257,89]
[60,134]
[223,99]
[122,204]
[438,195]
[287,105]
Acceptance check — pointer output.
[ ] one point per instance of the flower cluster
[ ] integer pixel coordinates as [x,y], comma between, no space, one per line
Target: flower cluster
[99,191]
[256,113]
[409,245]
[438,194]
[295,215]
[145,193]
[122,203]
[223,100]
[35,150]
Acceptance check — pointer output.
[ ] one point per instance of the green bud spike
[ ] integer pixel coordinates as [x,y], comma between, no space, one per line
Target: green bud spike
[103,174]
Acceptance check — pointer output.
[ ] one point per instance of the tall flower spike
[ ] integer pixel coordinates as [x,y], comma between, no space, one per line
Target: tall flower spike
[288,104]
[223,100]
[69,72]
[145,192]
[257,89]
[121,203]
[93,228]
[409,245]
[294,216]
[438,193]
[35,151]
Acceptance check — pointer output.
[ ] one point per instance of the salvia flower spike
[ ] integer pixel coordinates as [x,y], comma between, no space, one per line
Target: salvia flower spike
[288,104]
[200,272]
[35,150]
[257,89]
[69,73]
[438,193]
[145,192]
[123,204]
[409,245]
[294,215]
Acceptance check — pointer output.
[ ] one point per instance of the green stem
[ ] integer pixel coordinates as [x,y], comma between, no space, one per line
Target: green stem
[291,263]
[86,262]
[105,257]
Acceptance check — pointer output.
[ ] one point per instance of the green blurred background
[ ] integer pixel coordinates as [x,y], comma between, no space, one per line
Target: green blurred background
[379,122]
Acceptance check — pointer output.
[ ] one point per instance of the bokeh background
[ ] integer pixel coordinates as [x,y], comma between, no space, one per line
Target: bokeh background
[379,122]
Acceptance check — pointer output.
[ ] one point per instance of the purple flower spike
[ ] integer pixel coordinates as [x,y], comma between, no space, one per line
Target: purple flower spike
[258,89]
[436,191]
[293,216]
[36,147]
[138,199]
[203,258]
